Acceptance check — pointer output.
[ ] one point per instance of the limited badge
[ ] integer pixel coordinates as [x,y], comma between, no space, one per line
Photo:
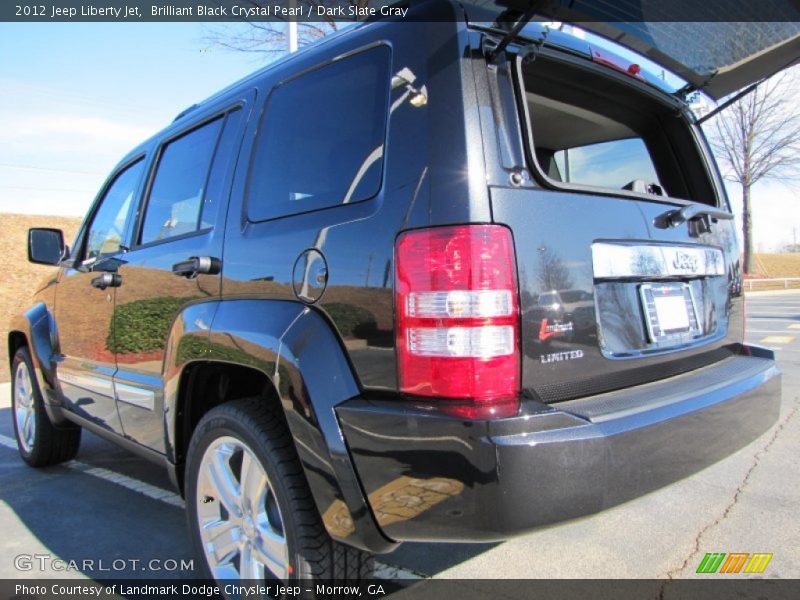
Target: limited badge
[561,356]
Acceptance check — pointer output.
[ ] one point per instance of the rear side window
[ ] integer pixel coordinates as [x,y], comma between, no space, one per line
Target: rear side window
[321,139]
[177,194]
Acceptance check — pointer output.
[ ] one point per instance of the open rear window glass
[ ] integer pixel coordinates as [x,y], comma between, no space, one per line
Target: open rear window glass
[612,164]
[596,130]
[577,145]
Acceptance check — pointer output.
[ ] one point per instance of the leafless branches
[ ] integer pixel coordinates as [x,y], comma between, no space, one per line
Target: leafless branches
[270,38]
[758,137]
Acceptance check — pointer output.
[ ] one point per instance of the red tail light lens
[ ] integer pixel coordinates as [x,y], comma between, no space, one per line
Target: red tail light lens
[458,316]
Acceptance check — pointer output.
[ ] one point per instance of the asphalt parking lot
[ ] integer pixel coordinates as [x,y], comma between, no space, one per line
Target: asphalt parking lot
[109,504]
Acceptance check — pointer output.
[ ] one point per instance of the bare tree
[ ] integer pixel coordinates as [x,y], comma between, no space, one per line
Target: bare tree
[758,137]
[552,273]
[270,38]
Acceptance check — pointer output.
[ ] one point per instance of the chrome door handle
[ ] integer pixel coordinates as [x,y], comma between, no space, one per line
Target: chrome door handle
[107,280]
[197,265]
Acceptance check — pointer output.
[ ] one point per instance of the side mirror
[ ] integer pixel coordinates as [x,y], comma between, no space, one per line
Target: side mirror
[46,246]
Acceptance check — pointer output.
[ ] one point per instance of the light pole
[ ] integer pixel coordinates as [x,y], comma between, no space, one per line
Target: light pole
[291,28]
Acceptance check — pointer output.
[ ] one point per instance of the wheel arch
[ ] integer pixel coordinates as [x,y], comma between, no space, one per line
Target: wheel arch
[16,340]
[36,330]
[204,384]
[288,353]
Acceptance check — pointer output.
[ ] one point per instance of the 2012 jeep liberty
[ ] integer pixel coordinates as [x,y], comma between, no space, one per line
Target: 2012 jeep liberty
[448,279]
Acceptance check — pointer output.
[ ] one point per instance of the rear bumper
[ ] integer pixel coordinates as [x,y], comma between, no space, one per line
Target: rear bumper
[430,477]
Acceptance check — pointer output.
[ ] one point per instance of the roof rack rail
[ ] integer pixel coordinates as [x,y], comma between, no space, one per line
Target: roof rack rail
[184,112]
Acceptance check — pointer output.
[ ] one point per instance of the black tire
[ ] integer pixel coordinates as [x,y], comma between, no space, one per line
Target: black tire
[260,426]
[45,444]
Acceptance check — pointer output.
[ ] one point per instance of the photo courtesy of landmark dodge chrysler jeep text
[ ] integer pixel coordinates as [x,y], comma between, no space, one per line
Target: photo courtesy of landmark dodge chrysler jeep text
[448,279]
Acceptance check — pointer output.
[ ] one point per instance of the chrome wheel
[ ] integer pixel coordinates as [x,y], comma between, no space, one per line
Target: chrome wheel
[240,524]
[24,407]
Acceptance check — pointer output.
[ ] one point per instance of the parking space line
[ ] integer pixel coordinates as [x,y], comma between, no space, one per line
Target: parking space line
[385,571]
[772,306]
[749,331]
[772,319]
[777,339]
[382,570]
[151,491]
[8,442]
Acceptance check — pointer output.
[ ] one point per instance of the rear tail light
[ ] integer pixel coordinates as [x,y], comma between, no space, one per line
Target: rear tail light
[458,318]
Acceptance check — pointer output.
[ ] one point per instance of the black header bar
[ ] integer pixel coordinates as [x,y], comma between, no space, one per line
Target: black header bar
[632,11]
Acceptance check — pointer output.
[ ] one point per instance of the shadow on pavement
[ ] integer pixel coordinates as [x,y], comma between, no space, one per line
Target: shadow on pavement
[77,517]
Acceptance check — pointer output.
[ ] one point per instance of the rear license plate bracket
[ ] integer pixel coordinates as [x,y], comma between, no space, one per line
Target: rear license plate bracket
[669,313]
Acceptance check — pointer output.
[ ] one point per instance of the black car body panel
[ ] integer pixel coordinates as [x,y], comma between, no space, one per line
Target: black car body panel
[299,352]
[487,481]
[611,352]
[35,328]
[304,295]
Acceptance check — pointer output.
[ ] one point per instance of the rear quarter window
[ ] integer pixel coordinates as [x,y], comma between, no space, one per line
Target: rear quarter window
[107,231]
[320,142]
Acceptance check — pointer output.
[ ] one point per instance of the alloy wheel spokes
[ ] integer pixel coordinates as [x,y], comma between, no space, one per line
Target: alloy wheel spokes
[240,524]
[271,550]
[24,407]
[224,539]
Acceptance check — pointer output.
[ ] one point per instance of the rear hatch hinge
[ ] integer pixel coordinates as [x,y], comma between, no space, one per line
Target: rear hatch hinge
[512,20]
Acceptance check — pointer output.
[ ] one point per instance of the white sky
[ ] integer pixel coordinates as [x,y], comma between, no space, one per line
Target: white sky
[76,97]
[776,203]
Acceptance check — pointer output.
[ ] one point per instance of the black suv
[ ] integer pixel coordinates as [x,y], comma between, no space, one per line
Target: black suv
[306,297]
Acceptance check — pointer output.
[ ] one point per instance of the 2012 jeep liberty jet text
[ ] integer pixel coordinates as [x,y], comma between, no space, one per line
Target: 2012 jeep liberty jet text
[448,279]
